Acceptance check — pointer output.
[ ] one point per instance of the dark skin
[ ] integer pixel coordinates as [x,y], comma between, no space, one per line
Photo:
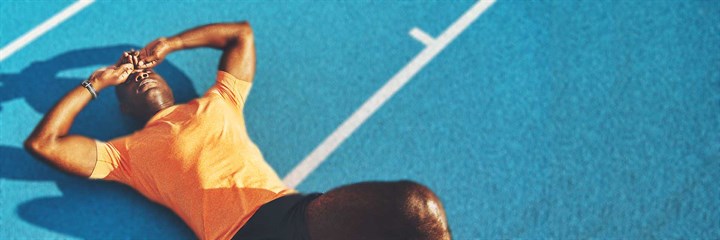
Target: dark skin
[378,210]
[371,210]
[77,154]
[144,94]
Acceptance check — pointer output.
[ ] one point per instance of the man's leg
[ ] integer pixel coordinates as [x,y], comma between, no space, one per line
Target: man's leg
[378,210]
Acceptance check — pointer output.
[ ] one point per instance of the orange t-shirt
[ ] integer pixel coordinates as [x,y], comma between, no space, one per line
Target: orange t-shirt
[198,160]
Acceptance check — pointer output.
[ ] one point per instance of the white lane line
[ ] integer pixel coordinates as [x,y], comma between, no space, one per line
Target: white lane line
[421,36]
[322,151]
[41,29]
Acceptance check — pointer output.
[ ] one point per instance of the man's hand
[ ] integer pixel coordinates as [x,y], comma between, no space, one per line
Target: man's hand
[111,75]
[154,53]
[234,39]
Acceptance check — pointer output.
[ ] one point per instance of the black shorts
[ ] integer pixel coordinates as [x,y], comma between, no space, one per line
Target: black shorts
[282,218]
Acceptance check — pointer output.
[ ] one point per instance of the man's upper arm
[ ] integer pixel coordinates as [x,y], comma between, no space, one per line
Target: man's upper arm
[74,154]
[81,156]
[238,57]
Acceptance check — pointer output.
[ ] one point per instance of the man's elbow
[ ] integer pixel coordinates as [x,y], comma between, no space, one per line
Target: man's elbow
[31,145]
[244,31]
[36,146]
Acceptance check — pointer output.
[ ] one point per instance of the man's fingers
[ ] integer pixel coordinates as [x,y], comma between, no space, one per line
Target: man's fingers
[124,70]
[126,67]
[148,63]
[131,56]
[152,63]
[125,58]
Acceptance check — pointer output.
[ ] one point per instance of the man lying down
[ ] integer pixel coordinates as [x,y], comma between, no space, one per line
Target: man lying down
[198,160]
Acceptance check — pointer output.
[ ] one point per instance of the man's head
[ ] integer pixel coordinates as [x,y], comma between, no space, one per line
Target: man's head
[143,94]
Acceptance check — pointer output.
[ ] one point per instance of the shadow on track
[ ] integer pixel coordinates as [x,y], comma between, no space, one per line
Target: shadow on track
[86,209]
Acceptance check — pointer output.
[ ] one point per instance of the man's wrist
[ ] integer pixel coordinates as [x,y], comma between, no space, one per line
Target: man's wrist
[89,87]
[97,84]
[174,43]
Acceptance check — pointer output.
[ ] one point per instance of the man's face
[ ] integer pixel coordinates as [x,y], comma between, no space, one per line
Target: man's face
[144,94]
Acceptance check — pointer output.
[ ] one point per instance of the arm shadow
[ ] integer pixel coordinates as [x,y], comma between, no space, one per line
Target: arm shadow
[85,209]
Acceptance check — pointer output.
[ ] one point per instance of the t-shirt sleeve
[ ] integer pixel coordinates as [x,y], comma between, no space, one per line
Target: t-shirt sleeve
[230,88]
[111,161]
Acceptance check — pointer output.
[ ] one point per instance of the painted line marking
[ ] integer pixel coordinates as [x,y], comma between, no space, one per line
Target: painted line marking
[421,36]
[322,151]
[41,29]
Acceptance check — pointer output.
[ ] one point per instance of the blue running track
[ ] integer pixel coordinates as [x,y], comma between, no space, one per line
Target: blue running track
[543,119]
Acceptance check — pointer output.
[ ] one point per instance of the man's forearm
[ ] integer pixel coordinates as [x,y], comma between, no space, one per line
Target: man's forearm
[219,36]
[234,39]
[59,119]
[50,140]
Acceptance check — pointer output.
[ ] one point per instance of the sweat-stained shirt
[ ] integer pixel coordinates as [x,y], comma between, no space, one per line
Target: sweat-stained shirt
[198,160]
